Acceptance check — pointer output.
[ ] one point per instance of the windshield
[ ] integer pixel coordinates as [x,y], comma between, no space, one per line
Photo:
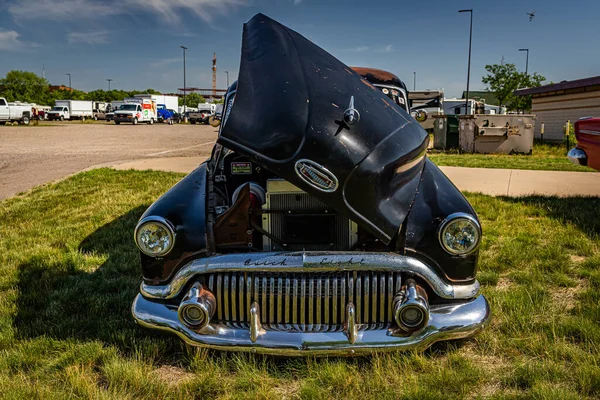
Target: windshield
[128,107]
[57,108]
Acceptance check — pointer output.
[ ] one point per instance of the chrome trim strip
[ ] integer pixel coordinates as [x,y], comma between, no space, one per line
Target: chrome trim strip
[448,321]
[589,131]
[299,262]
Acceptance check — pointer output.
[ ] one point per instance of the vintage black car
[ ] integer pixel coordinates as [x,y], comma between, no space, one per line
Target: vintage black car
[317,226]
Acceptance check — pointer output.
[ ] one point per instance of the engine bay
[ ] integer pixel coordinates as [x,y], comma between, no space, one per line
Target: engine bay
[255,210]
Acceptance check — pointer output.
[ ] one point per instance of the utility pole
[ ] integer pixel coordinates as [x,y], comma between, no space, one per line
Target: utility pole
[109,81]
[414,81]
[184,87]
[227,73]
[526,62]
[70,88]
[214,76]
[469,64]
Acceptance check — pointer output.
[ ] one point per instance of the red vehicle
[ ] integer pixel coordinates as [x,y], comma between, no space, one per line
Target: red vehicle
[587,151]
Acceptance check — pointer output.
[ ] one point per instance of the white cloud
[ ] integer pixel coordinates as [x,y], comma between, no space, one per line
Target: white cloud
[358,49]
[164,62]
[386,49]
[10,41]
[296,2]
[61,9]
[167,10]
[98,37]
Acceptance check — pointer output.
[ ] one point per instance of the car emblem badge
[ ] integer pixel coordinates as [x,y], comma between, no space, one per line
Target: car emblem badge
[316,176]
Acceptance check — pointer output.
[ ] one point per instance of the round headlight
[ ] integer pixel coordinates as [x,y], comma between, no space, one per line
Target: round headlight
[154,236]
[460,234]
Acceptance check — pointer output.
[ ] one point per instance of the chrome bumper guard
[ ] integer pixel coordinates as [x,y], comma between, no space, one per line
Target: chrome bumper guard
[455,320]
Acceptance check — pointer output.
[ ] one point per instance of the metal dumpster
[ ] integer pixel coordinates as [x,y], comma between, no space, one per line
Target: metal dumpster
[445,132]
[506,134]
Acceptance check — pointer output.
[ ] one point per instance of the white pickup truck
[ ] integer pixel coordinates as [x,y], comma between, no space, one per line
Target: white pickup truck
[14,112]
[205,111]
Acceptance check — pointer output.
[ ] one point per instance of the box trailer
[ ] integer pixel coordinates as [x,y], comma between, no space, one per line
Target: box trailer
[71,109]
[170,102]
[136,110]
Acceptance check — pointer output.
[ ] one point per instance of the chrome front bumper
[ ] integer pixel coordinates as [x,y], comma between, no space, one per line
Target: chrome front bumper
[464,315]
[577,156]
[446,322]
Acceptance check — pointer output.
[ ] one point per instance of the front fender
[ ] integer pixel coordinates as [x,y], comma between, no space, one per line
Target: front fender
[184,205]
[436,199]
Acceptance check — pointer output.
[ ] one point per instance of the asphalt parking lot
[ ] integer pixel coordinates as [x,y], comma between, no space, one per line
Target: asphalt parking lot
[34,155]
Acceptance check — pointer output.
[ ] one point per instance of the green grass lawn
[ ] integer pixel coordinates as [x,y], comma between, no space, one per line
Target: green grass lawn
[70,271]
[545,156]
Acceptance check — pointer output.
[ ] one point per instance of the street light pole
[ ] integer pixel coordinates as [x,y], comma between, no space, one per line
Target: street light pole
[109,81]
[414,81]
[526,62]
[469,65]
[184,87]
[227,73]
[70,88]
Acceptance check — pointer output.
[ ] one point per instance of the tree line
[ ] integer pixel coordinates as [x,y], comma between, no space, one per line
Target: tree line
[28,87]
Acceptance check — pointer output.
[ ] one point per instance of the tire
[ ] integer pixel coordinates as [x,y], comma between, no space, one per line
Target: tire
[117,122]
[135,121]
[95,118]
[193,121]
[62,118]
[2,122]
[24,121]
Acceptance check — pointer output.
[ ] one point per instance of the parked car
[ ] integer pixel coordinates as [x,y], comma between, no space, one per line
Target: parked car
[177,118]
[203,114]
[317,226]
[100,109]
[215,120]
[14,112]
[162,113]
[388,83]
[587,151]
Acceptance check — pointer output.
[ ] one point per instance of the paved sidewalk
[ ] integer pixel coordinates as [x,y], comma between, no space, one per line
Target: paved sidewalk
[495,182]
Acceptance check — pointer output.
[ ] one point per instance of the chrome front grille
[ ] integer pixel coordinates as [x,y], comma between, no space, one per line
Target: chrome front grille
[309,302]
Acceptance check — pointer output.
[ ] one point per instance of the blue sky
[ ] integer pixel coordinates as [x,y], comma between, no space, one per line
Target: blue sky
[136,42]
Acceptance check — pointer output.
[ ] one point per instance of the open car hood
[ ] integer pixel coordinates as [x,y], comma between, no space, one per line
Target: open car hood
[288,116]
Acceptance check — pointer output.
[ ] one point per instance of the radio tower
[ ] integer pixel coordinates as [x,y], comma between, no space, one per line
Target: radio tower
[214,69]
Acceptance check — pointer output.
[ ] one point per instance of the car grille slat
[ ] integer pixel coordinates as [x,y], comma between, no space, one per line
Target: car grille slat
[307,302]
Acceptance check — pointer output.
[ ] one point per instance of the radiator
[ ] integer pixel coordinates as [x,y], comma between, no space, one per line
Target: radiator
[299,221]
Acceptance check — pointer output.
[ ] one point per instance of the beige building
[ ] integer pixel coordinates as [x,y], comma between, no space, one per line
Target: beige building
[568,100]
